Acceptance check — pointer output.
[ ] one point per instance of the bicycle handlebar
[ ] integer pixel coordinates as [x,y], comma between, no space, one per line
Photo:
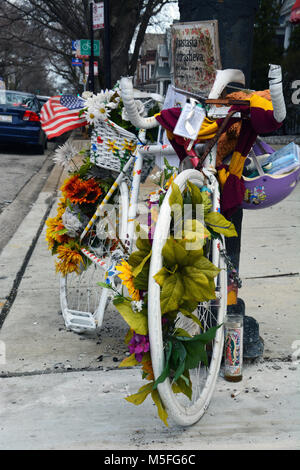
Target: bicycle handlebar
[130,106]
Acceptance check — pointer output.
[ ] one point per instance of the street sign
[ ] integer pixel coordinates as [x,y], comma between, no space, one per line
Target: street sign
[98,15]
[76,62]
[85,47]
[75,46]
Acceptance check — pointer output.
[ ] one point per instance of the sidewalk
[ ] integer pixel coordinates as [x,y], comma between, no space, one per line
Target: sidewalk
[66,389]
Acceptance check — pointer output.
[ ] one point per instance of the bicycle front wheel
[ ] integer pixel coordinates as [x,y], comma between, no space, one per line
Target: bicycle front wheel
[83,301]
[210,313]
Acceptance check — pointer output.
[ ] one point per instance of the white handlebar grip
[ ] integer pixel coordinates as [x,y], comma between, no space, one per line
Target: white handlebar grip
[128,99]
[275,85]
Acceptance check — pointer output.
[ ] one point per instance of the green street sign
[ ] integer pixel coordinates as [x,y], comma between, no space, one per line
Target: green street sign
[85,47]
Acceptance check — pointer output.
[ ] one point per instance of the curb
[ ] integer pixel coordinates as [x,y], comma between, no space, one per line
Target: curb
[17,253]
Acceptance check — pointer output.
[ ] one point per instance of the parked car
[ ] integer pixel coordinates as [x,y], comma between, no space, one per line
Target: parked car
[20,120]
[42,99]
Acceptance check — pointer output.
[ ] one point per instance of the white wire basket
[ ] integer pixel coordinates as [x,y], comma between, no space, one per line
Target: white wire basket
[111,145]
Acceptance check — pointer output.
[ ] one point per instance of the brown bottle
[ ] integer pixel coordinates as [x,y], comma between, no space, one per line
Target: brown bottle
[233,348]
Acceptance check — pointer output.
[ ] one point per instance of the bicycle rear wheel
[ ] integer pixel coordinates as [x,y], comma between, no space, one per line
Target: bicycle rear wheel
[83,301]
[211,313]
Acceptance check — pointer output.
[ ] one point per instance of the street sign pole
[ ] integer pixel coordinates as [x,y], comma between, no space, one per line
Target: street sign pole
[91,80]
[107,57]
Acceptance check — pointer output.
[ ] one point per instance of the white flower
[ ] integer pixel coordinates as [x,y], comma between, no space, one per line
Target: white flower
[87,94]
[102,111]
[71,223]
[137,305]
[65,153]
[92,115]
[154,197]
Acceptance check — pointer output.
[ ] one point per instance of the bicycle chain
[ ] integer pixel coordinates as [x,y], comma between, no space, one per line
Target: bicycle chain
[231,269]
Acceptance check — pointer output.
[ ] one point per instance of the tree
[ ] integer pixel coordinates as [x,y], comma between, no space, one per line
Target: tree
[266,49]
[57,22]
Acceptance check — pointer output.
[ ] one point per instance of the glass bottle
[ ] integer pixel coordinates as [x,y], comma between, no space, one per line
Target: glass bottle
[233,349]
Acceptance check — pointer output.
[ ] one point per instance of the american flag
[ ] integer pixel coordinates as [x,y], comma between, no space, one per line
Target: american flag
[60,114]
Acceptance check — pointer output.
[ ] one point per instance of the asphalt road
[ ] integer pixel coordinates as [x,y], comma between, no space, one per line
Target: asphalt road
[22,175]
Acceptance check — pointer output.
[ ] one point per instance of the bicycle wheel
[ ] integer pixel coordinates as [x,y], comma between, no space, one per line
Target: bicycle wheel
[83,301]
[184,411]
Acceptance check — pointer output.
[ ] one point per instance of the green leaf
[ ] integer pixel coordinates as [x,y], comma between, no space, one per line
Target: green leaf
[219,224]
[196,285]
[129,361]
[195,193]
[160,406]
[139,397]
[195,354]
[173,253]
[195,233]
[178,359]
[206,267]
[136,320]
[136,271]
[171,293]
[162,276]
[166,371]
[176,196]
[183,385]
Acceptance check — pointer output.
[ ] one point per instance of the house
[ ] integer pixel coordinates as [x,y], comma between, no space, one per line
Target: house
[285,23]
[143,78]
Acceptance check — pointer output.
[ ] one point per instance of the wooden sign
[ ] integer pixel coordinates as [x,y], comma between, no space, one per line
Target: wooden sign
[195,55]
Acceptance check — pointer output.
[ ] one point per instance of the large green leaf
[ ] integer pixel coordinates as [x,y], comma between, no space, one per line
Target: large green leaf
[195,233]
[136,320]
[206,267]
[195,193]
[176,196]
[218,223]
[173,253]
[171,293]
[136,271]
[162,276]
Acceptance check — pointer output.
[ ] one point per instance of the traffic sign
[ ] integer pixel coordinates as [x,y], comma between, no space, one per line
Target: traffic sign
[76,62]
[85,47]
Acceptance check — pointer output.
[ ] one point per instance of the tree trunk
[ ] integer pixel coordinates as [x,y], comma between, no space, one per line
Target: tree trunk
[235,21]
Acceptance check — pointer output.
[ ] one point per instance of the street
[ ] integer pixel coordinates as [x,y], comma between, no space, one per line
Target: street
[22,175]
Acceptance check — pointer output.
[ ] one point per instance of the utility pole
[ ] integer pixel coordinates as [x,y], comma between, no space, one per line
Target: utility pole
[107,56]
[91,79]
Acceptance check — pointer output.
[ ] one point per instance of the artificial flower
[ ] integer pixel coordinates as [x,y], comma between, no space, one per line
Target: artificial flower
[70,259]
[139,345]
[54,228]
[65,154]
[128,280]
[79,191]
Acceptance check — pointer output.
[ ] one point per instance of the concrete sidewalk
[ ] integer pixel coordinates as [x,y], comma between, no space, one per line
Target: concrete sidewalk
[66,389]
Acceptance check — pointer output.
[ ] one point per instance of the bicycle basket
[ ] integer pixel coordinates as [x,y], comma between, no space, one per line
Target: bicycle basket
[111,145]
[263,189]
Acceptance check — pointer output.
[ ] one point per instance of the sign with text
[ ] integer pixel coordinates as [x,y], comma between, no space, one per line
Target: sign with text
[85,47]
[98,15]
[195,55]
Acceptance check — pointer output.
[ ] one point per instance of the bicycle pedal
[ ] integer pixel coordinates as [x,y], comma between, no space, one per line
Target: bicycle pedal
[79,321]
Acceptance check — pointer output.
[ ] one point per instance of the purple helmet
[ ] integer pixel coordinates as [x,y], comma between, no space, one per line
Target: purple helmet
[264,190]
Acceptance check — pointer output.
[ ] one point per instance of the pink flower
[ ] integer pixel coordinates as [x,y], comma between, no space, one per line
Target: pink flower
[139,345]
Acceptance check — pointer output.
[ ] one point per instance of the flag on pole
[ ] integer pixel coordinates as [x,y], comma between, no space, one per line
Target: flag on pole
[60,114]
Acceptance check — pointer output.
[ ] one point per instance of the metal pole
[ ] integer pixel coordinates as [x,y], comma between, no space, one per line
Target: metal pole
[91,79]
[107,57]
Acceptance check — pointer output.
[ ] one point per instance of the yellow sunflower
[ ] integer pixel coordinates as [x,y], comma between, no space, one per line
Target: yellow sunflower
[127,277]
[70,260]
[54,226]
[111,144]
